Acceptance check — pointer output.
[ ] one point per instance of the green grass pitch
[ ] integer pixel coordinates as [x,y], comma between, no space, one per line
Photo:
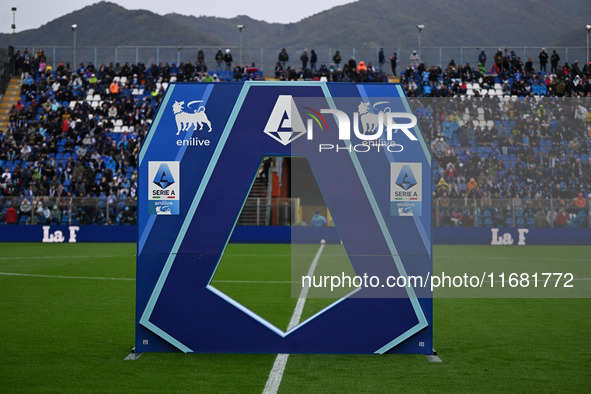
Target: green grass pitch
[67,323]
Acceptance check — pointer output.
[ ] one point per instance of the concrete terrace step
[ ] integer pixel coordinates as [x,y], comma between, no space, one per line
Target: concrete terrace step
[11,99]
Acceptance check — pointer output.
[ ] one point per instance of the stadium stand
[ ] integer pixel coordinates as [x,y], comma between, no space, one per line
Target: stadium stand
[509,148]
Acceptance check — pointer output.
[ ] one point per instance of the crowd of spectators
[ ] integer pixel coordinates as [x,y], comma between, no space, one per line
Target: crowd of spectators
[61,144]
[508,75]
[525,152]
[336,71]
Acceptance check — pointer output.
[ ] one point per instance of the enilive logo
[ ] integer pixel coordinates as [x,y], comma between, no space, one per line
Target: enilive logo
[285,123]
[187,120]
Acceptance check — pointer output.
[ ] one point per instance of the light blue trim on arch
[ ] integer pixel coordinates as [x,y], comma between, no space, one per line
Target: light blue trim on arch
[146,232]
[323,310]
[397,260]
[144,235]
[144,320]
[401,338]
[392,158]
[180,154]
[266,323]
[423,234]
[419,135]
[423,323]
[155,124]
[167,337]
[244,309]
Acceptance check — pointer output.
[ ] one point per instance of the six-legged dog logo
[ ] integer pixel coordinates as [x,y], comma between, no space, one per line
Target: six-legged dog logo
[184,120]
[370,120]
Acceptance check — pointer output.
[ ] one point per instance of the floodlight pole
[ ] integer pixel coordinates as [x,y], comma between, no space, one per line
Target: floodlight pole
[74,26]
[240,27]
[420,27]
[14,24]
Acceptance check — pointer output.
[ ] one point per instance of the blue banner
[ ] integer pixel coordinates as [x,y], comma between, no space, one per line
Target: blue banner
[277,234]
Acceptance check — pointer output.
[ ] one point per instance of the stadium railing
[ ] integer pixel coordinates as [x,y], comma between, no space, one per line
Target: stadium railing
[71,210]
[518,213]
[266,58]
[522,213]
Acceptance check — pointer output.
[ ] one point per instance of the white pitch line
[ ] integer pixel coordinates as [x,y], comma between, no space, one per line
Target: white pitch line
[62,276]
[297,313]
[276,374]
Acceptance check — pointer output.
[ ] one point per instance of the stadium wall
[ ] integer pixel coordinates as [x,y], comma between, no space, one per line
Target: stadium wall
[281,234]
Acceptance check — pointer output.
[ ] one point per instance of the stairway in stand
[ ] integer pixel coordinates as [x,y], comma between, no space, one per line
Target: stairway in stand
[10,98]
[253,213]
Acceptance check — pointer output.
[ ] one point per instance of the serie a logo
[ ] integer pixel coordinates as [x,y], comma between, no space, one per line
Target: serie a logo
[164,187]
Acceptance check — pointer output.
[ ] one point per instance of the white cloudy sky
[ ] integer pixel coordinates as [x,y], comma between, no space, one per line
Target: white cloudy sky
[31,14]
